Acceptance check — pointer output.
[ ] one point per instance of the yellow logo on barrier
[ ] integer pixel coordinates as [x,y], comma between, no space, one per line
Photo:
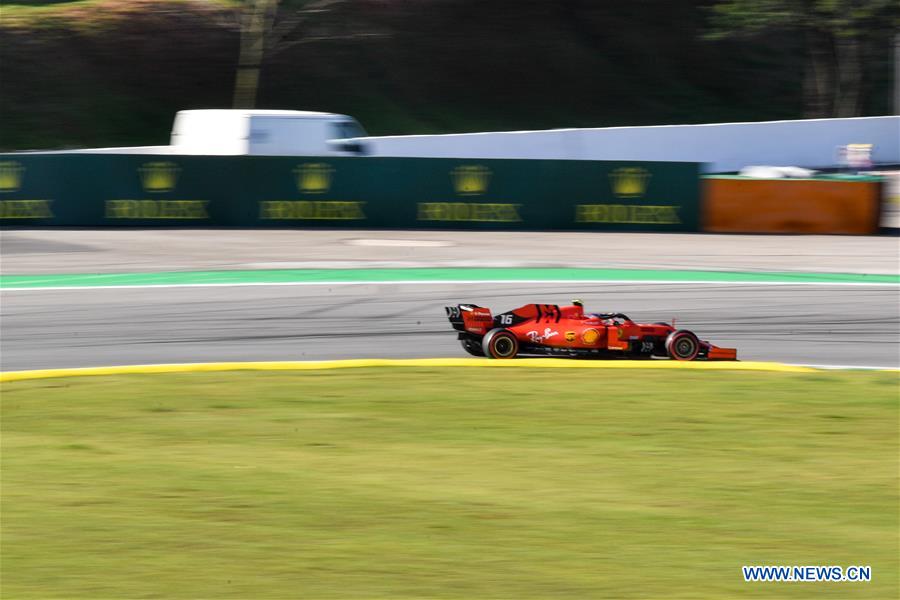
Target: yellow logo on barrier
[159,177]
[470,180]
[309,209]
[25,209]
[629,182]
[11,176]
[469,211]
[627,213]
[156,209]
[314,178]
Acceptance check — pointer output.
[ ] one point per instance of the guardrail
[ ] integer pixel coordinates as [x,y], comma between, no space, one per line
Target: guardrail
[114,190]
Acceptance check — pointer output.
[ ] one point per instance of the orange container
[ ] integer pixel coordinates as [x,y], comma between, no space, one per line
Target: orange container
[738,205]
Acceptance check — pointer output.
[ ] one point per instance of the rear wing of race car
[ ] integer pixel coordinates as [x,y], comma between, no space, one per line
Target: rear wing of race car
[470,318]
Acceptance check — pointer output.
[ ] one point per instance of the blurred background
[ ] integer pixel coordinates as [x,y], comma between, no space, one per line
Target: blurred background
[83,73]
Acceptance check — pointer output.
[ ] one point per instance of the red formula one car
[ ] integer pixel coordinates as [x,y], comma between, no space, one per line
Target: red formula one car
[548,329]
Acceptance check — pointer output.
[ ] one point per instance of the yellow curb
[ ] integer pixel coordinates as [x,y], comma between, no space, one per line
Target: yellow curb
[553,363]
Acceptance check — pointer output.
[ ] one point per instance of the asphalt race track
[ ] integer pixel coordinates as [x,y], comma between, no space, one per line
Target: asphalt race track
[806,324]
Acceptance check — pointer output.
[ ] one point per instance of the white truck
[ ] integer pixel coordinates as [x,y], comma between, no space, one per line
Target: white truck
[237,132]
[266,133]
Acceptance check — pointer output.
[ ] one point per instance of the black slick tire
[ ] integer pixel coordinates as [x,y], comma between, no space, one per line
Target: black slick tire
[500,344]
[682,345]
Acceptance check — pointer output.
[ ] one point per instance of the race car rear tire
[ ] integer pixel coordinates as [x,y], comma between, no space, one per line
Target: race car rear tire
[500,343]
[472,347]
[682,345]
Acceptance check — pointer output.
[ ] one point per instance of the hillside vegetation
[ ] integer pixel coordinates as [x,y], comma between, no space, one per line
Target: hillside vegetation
[113,72]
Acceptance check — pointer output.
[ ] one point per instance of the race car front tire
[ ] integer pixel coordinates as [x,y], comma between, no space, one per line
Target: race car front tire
[472,347]
[682,345]
[500,343]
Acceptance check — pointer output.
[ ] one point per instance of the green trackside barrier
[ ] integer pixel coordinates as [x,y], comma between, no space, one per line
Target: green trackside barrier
[106,190]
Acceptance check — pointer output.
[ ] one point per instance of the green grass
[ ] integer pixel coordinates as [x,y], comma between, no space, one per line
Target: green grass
[453,483]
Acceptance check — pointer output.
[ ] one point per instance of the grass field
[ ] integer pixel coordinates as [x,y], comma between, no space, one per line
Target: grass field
[454,483]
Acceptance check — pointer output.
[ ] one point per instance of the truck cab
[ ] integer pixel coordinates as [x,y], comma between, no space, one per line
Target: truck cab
[267,133]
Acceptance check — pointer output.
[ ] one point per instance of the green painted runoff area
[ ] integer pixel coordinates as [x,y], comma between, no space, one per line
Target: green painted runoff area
[447,484]
[414,275]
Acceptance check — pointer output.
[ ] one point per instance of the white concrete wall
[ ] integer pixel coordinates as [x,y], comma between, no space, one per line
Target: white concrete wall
[721,146]
[724,146]
[128,150]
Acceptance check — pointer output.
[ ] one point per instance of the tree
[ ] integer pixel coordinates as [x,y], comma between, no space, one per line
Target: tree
[837,35]
[272,26]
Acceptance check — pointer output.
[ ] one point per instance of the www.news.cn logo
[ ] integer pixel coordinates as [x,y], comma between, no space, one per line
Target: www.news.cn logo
[807,573]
